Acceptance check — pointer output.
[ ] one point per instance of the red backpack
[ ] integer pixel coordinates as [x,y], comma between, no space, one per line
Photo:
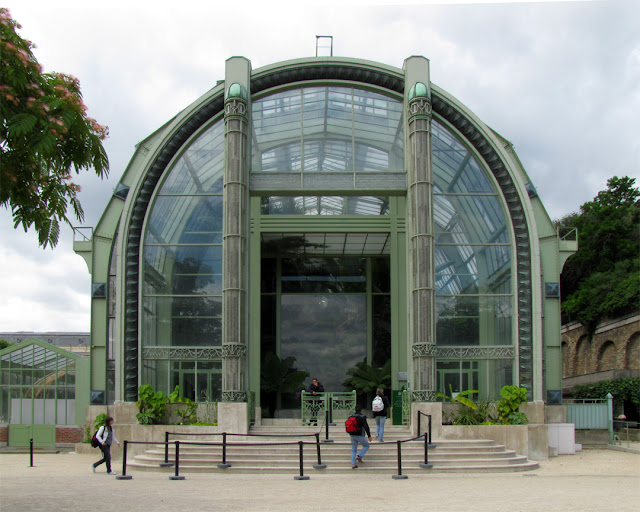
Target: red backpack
[352,425]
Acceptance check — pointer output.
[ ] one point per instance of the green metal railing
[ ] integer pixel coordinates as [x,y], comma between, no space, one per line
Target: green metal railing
[314,407]
[626,432]
[406,407]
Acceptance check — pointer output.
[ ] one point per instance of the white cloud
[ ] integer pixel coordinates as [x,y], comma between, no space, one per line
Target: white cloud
[558,79]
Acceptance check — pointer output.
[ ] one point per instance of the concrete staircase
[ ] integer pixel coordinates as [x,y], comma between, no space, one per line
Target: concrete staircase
[478,455]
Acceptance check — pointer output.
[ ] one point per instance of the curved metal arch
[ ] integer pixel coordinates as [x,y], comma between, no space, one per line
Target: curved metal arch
[309,71]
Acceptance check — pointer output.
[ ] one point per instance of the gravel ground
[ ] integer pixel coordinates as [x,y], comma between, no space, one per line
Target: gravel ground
[589,480]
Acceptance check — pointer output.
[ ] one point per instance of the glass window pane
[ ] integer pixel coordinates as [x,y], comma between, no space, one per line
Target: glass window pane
[306,327]
[183,270]
[469,219]
[182,321]
[201,167]
[185,220]
[461,319]
[337,128]
[471,269]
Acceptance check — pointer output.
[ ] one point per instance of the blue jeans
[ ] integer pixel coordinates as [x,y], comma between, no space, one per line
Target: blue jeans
[355,441]
[380,426]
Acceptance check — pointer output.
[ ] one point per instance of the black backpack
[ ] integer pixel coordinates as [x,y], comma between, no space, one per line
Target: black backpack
[94,439]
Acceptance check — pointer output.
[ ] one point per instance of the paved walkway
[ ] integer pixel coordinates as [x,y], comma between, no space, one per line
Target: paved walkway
[590,480]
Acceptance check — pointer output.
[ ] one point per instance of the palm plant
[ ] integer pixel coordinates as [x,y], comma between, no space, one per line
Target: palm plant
[365,378]
[279,376]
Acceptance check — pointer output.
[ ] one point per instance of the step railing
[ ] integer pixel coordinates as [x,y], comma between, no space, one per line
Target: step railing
[224,464]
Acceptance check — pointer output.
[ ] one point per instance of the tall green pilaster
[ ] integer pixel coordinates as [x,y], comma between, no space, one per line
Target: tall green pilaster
[421,237]
[236,232]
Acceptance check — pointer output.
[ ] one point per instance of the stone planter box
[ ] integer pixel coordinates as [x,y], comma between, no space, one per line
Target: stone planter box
[531,440]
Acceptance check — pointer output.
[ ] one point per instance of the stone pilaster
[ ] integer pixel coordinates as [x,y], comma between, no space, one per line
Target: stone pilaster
[235,235]
[421,245]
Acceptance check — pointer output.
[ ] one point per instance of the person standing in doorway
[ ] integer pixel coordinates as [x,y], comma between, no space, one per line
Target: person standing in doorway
[380,407]
[106,438]
[315,388]
[361,437]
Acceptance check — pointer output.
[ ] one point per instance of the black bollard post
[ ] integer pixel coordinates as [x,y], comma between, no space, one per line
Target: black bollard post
[301,476]
[326,427]
[124,475]
[319,465]
[31,452]
[426,464]
[399,476]
[223,464]
[177,475]
[166,463]
[419,414]
[429,428]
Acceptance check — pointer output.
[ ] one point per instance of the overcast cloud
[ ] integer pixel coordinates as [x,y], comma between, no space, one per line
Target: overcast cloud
[561,80]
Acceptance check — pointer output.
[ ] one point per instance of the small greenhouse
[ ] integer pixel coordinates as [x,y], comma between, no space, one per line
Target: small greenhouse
[43,393]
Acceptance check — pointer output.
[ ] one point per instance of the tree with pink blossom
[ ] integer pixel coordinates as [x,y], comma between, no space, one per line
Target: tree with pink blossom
[45,138]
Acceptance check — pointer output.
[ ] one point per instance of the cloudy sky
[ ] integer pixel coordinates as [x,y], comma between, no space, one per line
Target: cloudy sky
[561,80]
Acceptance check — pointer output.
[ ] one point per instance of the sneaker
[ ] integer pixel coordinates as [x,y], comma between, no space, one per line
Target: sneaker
[111,473]
[354,467]
[93,468]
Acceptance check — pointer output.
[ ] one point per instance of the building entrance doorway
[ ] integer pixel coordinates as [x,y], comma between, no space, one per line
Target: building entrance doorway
[325,308]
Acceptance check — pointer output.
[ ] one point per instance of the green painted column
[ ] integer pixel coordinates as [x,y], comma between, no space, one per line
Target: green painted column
[421,232]
[236,232]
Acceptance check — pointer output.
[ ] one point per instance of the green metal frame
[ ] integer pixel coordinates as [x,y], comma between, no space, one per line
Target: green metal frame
[394,224]
[314,407]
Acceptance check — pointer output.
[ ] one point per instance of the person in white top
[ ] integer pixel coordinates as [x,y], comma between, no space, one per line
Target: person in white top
[106,438]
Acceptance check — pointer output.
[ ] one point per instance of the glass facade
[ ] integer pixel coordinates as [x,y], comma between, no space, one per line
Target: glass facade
[473,254]
[182,272]
[325,295]
[328,129]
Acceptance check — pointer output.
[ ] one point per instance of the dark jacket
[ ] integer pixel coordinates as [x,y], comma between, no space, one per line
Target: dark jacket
[362,423]
[383,412]
[318,389]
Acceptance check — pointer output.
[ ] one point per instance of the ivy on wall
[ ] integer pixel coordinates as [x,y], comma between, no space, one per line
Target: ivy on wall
[623,390]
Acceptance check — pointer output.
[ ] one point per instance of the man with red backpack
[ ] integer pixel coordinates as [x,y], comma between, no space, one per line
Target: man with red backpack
[356,426]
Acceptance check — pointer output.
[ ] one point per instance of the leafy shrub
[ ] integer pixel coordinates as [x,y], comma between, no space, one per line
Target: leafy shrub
[512,398]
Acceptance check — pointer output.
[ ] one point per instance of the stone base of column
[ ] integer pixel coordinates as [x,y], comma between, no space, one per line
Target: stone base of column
[233,417]
[432,408]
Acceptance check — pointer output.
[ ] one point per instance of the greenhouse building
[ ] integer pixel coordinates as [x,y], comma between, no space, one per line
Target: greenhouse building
[318,215]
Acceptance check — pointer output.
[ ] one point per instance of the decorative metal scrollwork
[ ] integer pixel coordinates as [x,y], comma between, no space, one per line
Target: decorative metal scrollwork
[423,395]
[423,349]
[235,396]
[495,352]
[182,353]
[234,350]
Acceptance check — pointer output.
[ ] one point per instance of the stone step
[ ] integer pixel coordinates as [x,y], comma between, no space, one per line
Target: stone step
[332,461]
[388,469]
[158,455]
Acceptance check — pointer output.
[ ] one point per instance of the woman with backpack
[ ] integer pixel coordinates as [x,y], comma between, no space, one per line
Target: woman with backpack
[106,438]
[380,406]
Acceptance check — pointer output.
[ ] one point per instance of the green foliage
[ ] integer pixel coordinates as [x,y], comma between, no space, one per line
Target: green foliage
[483,414]
[152,405]
[280,376]
[188,415]
[99,421]
[87,434]
[45,136]
[365,378]
[4,344]
[603,278]
[623,390]
[461,397]
[507,407]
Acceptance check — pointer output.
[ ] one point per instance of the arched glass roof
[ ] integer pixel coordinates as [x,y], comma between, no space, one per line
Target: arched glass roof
[327,129]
